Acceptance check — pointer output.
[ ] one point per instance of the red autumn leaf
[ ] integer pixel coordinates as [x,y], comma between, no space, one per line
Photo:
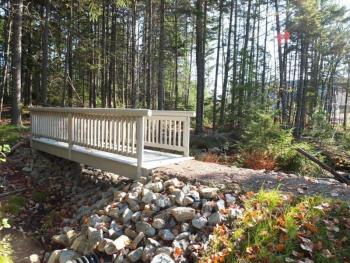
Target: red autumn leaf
[280,247]
[178,252]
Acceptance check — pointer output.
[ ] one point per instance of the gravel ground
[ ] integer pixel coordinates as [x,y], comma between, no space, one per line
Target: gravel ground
[253,180]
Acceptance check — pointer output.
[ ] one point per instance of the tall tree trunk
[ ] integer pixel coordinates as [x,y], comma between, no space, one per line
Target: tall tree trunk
[103,58]
[281,90]
[70,59]
[263,77]
[126,83]
[227,67]
[161,57]
[134,88]
[176,58]
[346,99]
[217,65]
[112,48]
[234,67]
[244,60]
[149,54]
[6,56]
[45,46]
[257,49]
[301,90]
[29,71]
[189,72]
[200,60]
[293,88]
[16,63]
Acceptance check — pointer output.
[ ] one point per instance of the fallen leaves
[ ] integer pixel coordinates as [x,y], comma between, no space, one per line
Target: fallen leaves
[178,252]
[311,227]
[298,230]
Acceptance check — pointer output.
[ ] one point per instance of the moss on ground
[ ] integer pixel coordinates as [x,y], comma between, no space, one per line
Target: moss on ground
[10,134]
[13,205]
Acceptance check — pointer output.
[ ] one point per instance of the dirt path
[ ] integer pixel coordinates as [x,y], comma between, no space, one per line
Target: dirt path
[253,180]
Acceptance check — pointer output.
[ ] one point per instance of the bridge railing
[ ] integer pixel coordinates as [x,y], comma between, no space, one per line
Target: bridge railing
[122,131]
[169,130]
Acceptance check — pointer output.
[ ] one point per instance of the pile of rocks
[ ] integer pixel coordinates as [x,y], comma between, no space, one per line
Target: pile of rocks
[67,190]
[156,219]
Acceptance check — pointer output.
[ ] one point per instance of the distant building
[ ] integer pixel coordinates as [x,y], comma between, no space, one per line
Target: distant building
[339,106]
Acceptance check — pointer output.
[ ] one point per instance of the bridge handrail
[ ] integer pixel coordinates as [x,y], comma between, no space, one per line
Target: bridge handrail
[122,131]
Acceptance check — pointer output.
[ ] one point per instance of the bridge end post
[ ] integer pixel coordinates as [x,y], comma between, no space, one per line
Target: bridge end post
[186,137]
[140,143]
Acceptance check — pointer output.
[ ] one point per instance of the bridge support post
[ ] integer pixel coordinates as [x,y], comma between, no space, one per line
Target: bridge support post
[70,135]
[140,143]
[186,134]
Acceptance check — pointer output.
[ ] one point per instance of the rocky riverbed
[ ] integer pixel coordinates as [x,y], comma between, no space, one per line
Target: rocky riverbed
[76,211]
[152,220]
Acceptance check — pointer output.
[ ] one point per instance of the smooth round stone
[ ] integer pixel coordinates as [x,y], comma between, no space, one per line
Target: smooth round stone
[183,214]
[145,228]
[185,227]
[214,218]
[199,222]
[135,255]
[162,258]
[166,235]
[158,223]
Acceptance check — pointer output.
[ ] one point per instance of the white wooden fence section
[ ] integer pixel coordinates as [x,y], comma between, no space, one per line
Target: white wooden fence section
[121,131]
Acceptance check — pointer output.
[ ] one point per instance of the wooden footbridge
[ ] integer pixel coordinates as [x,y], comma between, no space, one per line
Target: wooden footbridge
[129,142]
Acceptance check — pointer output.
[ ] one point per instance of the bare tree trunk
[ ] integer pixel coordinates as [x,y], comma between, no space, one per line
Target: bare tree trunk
[111,84]
[176,58]
[263,77]
[227,67]
[44,65]
[346,99]
[244,60]
[217,66]
[200,61]
[234,67]
[281,91]
[7,44]
[134,89]
[29,72]
[70,60]
[161,57]
[257,50]
[149,54]
[16,118]
[189,73]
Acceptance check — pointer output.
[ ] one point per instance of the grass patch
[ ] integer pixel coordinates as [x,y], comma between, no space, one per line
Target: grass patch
[10,134]
[5,251]
[13,205]
[39,196]
[276,227]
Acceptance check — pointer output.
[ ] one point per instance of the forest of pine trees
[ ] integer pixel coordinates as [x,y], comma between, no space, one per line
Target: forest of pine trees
[224,58]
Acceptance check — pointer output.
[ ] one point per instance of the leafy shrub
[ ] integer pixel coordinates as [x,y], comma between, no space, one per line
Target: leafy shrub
[259,160]
[262,139]
[342,138]
[320,127]
[266,145]
[3,150]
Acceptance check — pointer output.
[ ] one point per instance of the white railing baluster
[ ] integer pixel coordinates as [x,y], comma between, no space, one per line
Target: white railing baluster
[118,135]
